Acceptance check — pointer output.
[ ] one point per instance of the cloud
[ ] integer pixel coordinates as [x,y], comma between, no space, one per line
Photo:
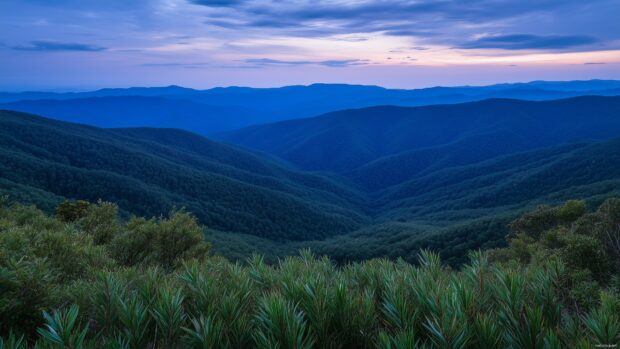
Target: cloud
[175,65]
[334,63]
[351,39]
[594,63]
[412,33]
[58,46]
[90,4]
[446,23]
[394,17]
[344,62]
[528,41]
[218,3]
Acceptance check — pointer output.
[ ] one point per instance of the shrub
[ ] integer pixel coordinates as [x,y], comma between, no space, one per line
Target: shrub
[71,211]
[164,241]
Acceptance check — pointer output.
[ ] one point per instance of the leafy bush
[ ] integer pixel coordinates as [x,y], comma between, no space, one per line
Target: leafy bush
[163,241]
[71,211]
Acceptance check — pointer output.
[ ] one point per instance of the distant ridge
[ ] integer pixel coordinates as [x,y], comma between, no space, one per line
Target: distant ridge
[226,108]
[422,138]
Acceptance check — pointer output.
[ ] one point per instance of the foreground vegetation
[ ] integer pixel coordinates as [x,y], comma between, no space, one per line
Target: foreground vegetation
[83,279]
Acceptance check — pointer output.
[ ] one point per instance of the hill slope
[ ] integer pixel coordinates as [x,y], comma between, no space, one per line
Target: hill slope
[135,111]
[346,140]
[150,171]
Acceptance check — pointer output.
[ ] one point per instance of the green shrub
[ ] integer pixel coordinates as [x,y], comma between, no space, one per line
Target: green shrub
[71,211]
[164,241]
[100,221]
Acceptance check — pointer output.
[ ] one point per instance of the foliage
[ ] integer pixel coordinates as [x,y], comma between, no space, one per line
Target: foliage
[181,298]
[71,211]
[162,241]
[61,329]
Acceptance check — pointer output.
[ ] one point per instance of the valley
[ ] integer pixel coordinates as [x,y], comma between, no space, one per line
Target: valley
[352,184]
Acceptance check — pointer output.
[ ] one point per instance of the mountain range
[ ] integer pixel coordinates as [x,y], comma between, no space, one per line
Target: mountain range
[396,143]
[357,183]
[223,109]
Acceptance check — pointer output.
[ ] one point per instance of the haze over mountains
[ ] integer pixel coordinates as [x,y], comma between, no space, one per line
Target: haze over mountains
[356,183]
[223,109]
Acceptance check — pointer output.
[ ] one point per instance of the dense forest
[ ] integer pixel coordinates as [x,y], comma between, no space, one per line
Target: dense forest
[150,171]
[448,198]
[83,278]
[429,138]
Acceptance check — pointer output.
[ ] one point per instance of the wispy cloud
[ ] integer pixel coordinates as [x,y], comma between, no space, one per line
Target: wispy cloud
[393,17]
[528,41]
[447,23]
[335,63]
[58,46]
[175,65]
[218,3]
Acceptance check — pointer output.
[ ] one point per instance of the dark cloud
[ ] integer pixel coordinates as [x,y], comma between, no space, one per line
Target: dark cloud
[58,46]
[414,18]
[326,63]
[594,63]
[528,41]
[440,22]
[405,32]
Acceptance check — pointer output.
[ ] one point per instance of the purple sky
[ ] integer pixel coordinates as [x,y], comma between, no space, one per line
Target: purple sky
[86,44]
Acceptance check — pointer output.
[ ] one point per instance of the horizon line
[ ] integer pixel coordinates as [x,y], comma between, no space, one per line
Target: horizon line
[64,90]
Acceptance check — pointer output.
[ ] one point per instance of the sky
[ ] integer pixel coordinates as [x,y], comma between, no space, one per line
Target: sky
[86,44]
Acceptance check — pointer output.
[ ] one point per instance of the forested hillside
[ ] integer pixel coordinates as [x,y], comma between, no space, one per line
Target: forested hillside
[451,198]
[148,172]
[135,111]
[345,140]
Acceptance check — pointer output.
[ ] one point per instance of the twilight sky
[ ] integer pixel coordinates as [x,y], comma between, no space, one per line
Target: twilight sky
[85,44]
